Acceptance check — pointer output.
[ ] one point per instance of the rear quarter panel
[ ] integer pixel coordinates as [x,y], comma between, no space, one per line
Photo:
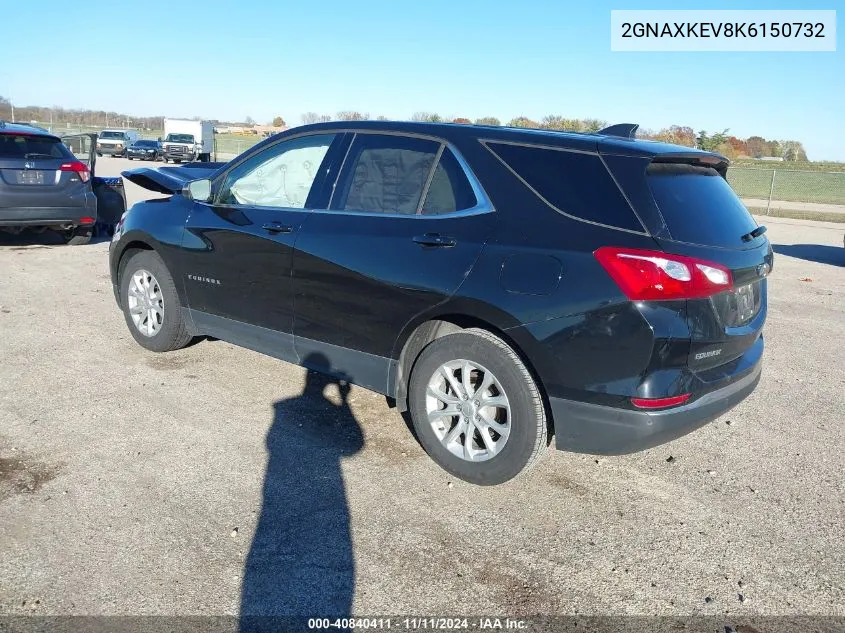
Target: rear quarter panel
[579,332]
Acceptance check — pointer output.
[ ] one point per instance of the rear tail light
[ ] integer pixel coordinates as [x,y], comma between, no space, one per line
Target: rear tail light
[79,168]
[645,275]
[85,221]
[660,403]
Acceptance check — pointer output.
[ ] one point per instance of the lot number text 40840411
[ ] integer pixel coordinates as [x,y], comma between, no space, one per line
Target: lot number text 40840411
[419,623]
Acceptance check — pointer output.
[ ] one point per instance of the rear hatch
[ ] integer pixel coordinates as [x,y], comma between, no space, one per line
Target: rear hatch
[39,171]
[705,220]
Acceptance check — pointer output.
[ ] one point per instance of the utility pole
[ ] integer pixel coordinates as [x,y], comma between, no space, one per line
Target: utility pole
[11,103]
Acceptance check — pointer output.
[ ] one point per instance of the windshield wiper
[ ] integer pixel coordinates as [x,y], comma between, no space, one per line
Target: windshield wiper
[752,234]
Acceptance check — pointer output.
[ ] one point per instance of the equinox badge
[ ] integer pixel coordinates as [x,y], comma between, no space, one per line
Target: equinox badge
[207,280]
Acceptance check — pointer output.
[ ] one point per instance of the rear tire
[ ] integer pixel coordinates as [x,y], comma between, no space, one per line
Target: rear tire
[484,444]
[151,305]
[78,236]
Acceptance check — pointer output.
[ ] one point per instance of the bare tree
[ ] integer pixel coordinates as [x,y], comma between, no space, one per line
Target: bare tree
[429,117]
[313,117]
[350,115]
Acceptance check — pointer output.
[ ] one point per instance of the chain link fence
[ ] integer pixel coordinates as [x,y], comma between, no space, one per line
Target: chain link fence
[773,191]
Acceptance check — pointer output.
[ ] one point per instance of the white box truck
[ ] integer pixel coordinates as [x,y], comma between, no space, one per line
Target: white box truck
[187,140]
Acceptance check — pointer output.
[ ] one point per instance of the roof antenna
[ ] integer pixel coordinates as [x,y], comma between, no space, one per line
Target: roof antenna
[625,130]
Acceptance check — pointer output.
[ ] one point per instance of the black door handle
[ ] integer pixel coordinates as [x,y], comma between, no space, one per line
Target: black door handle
[434,239]
[276,227]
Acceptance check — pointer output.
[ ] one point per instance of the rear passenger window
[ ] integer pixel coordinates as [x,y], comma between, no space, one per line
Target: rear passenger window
[575,183]
[385,174]
[450,189]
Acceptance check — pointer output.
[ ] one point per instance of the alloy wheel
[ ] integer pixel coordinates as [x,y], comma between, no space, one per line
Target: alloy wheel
[468,410]
[146,303]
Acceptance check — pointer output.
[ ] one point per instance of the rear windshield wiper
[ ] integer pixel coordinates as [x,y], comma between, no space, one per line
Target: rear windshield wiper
[755,233]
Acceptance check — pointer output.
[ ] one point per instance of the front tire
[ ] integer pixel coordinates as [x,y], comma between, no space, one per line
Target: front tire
[151,305]
[476,408]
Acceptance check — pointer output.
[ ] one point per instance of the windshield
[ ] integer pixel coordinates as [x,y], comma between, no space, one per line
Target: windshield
[180,138]
[145,143]
[111,135]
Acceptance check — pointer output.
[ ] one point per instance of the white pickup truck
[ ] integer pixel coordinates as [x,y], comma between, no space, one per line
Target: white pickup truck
[187,140]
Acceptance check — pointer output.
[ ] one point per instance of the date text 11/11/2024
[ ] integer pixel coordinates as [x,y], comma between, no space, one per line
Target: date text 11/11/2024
[418,624]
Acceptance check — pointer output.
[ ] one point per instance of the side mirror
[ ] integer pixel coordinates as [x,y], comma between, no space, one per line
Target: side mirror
[199,190]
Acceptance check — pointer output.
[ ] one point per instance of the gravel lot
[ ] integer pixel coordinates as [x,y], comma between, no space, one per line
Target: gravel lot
[134,483]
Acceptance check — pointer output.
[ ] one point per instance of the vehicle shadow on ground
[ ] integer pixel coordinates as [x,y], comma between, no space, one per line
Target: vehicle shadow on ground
[48,238]
[301,560]
[833,255]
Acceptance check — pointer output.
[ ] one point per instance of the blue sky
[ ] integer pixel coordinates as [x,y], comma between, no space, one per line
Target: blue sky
[458,58]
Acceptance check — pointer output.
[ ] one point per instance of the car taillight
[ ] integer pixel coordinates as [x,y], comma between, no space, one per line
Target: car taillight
[660,403]
[645,275]
[79,168]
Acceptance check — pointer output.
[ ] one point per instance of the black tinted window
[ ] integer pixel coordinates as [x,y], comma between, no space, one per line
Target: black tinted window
[386,174]
[698,205]
[27,146]
[450,190]
[577,184]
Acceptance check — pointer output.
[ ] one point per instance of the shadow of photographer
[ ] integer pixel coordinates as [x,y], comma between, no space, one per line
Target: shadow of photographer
[301,560]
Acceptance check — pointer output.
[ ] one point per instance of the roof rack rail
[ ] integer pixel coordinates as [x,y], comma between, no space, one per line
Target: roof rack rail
[625,130]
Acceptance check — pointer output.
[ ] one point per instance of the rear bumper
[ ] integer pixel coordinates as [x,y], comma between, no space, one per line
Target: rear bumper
[582,427]
[46,216]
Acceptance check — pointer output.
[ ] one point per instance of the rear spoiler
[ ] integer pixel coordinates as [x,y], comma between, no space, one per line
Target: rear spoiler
[171,180]
[622,130]
[698,159]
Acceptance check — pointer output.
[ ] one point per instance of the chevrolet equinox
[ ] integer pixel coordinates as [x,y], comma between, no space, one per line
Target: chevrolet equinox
[503,286]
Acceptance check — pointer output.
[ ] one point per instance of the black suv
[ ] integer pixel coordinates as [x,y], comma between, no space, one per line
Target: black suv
[501,284]
[47,183]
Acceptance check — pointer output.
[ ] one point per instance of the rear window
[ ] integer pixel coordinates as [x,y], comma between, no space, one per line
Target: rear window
[698,205]
[28,146]
[574,183]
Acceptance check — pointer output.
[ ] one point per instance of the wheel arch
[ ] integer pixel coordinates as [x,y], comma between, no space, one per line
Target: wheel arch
[442,325]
